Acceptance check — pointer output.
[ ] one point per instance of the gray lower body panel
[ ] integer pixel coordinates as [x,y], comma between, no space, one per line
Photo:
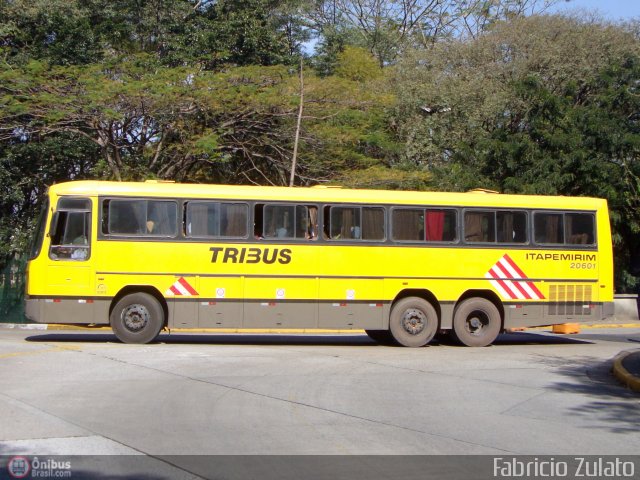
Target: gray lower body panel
[202,313]
[68,311]
[290,314]
[554,313]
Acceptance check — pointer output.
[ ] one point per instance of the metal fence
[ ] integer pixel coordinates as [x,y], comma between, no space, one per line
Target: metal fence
[12,279]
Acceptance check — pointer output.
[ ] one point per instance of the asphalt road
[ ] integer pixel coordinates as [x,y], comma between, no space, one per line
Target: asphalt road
[532,393]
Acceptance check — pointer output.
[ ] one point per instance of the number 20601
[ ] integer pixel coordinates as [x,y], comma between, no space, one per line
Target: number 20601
[583,266]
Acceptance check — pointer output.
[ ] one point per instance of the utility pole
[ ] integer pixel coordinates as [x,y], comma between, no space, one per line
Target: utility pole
[297,138]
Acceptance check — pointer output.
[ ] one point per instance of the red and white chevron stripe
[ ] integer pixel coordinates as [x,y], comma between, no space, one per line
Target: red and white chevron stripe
[511,282]
[181,288]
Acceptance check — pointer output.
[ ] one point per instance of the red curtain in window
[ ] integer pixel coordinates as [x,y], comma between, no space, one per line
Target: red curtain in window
[434,225]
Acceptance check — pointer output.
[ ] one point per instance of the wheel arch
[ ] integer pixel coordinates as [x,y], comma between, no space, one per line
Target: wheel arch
[420,293]
[151,290]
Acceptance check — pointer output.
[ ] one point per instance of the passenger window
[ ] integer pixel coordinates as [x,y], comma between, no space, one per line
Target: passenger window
[70,230]
[373,224]
[356,223]
[157,218]
[408,224]
[440,225]
[216,219]
[479,226]
[298,222]
[279,221]
[430,225]
[548,228]
[512,227]
[579,229]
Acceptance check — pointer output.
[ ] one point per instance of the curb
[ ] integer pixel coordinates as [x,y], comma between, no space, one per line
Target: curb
[23,326]
[621,373]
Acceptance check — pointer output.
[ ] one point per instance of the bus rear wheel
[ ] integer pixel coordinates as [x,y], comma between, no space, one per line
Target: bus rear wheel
[137,318]
[476,322]
[413,322]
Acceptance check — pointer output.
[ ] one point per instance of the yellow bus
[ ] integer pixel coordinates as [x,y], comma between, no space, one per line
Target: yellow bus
[403,266]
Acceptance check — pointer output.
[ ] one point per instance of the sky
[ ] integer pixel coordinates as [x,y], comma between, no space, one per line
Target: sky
[610,9]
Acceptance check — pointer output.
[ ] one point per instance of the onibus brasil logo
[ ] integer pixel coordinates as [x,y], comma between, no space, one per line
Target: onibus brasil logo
[21,467]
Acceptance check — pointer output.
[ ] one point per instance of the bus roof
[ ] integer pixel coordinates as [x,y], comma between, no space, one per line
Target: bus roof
[321,194]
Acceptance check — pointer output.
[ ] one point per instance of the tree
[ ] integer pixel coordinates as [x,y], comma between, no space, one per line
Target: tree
[388,28]
[542,105]
[150,120]
[175,32]
[58,30]
[27,168]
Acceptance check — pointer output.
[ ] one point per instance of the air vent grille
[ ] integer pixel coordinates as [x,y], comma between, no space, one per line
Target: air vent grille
[570,299]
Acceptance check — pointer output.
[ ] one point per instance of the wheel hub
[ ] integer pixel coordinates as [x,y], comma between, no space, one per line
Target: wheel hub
[414,321]
[476,322]
[135,317]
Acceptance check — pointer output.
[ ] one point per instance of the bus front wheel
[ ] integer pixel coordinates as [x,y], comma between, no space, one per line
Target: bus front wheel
[476,322]
[137,318]
[413,322]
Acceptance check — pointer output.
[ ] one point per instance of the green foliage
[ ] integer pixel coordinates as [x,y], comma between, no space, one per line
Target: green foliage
[357,64]
[544,105]
[27,168]
[209,92]
[57,30]
[250,33]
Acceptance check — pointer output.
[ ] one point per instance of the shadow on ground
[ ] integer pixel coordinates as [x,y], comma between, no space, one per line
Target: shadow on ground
[215,339]
[610,405]
[355,339]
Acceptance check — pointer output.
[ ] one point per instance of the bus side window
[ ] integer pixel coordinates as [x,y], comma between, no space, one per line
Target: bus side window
[512,227]
[206,219]
[356,223]
[140,217]
[479,226]
[289,221]
[279,221]
[125,217]
[372,223]
[440,225]
[408,224]
[428,225]
[161,218]
[345,223]
[548,228]
[579,228]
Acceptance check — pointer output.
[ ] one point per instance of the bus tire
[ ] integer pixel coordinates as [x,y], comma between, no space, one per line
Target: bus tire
[476,322]
[137,318]
[382,337]
[413,322]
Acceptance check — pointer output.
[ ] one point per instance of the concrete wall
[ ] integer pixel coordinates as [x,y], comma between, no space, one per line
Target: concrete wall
[626,307]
